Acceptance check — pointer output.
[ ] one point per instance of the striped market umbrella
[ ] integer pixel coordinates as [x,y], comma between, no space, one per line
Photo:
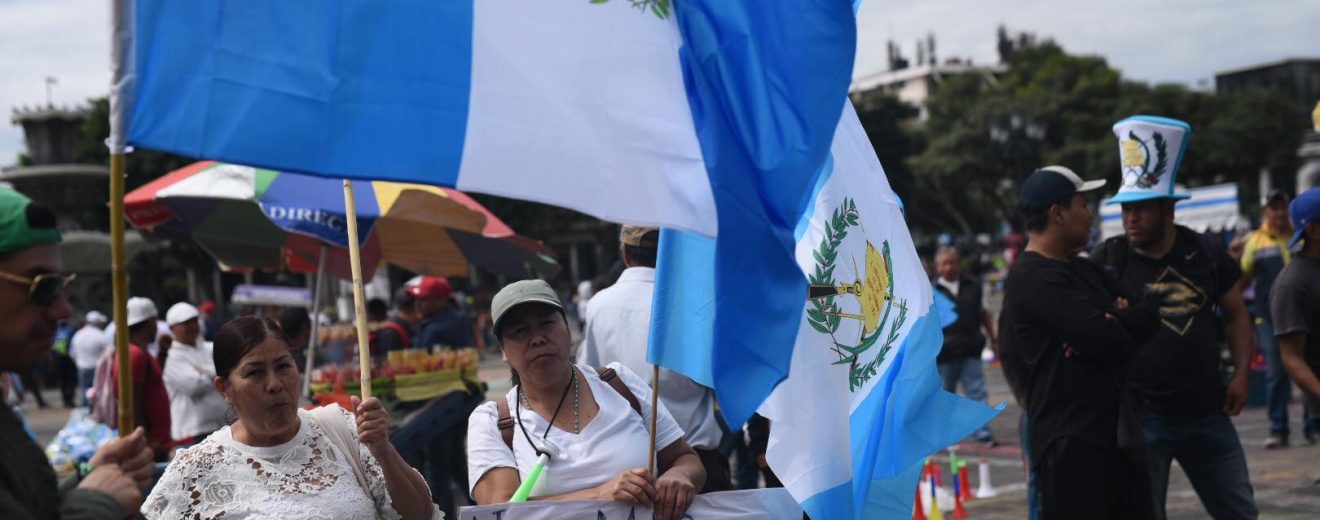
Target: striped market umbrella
[256,218]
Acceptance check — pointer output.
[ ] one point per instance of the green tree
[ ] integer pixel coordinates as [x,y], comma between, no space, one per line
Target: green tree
[891,128]
[142,166]
[1050,107]
[986,135]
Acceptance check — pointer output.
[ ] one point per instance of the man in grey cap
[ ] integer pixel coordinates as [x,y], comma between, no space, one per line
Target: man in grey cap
[33,301]
[618,325]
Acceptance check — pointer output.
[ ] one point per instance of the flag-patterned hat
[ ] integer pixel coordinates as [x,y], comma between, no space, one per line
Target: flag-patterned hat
[1150,151]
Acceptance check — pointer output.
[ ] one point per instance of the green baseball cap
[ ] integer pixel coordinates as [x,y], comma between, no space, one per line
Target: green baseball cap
[518,293]
[16,230]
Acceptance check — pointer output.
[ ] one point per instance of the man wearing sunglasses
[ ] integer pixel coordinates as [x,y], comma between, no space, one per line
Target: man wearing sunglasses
[32,302]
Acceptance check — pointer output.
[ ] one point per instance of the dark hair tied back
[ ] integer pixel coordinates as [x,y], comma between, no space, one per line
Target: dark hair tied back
[238,337]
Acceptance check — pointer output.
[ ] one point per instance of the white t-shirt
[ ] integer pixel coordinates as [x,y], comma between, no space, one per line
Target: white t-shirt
[616,440]
[196,407]
[86,347]
[618,329]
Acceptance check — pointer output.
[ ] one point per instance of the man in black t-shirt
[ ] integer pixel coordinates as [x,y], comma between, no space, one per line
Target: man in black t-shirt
[1295,301]
[1067,335]
[1177,373]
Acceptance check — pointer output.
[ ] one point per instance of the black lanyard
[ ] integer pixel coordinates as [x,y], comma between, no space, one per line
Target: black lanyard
[517,411]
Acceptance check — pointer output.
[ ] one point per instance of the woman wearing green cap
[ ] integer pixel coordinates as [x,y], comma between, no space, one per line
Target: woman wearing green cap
[589,420]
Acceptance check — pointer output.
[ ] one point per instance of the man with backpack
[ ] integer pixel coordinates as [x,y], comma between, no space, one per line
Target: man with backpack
[1186,405]
[151,401]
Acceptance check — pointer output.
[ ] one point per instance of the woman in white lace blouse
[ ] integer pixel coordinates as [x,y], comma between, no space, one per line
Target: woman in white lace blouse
[278,461]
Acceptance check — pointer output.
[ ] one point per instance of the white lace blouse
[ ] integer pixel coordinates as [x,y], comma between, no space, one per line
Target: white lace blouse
[306,477]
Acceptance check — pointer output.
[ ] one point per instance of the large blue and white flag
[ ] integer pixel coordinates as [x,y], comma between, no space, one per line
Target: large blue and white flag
[862,405]
[710,116]
[595,106]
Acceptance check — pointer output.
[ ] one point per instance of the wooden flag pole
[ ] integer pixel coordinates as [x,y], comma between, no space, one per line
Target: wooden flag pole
[359,300]
[655,400]
[119,289]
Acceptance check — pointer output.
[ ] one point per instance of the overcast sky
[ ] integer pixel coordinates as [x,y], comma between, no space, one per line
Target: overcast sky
[1183,41]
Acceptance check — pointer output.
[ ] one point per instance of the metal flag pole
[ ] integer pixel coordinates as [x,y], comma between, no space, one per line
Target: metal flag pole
[655,400]
[359,300]
[316,324]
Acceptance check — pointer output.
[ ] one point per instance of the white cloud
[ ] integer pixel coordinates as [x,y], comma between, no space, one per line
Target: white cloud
[1173,40]
[65,39]
[1181,41]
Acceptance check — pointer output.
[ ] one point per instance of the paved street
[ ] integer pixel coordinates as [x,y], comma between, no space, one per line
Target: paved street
[1283,479]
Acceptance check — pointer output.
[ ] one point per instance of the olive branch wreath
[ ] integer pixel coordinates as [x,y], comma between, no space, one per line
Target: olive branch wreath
[823,316]
[1151,177]
[660,8]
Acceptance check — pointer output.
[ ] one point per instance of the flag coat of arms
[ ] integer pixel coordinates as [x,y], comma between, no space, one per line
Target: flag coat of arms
[862,404]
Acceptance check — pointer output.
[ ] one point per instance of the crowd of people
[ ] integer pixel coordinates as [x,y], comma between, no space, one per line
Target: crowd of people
[1113,349]
[220,408]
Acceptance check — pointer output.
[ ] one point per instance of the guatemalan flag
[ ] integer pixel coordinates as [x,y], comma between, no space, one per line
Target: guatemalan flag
[594,105]
[715,117]
[862,405]
[709,116]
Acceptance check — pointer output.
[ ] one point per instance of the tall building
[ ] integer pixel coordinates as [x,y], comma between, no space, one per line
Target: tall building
[914,85]
[1297,78]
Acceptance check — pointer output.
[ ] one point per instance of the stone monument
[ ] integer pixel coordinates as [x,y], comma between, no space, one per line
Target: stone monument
[1308,176]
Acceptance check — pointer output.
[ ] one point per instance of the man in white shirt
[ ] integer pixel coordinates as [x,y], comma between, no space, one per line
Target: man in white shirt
[617,329]
[196,408]
[86,348]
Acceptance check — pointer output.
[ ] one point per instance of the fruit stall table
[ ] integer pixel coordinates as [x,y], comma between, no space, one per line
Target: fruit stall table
[426,393]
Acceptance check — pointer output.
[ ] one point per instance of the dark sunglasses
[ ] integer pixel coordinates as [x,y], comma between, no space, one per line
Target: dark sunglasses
[42,289]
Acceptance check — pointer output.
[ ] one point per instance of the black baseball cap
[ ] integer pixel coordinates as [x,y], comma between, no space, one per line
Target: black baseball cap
[1274,195]
[1053,185]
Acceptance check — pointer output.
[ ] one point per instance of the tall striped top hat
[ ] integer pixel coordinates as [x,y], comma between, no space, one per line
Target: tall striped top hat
[1150,151]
